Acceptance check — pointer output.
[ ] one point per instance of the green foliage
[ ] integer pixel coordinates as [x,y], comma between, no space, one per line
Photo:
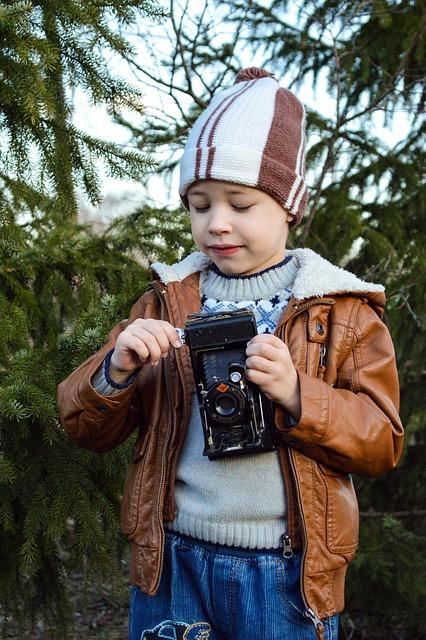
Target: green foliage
[48,50]
[48,526]
[385,565]
[60,505]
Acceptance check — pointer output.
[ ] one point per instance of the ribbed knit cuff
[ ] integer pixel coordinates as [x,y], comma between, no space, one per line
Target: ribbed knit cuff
[112,383]
[103,383]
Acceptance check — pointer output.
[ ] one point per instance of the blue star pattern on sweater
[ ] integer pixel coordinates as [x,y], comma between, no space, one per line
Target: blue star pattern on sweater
[266,312]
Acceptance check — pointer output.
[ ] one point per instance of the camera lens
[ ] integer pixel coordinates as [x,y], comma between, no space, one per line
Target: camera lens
[225,405]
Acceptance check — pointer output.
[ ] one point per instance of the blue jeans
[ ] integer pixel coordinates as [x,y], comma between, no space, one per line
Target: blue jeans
[210,592]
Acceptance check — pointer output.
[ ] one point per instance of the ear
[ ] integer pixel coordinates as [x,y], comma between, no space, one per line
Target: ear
[289,216]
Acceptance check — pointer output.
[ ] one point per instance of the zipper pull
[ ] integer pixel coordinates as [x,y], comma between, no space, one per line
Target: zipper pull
[287,548]
[323,351]
[310,613]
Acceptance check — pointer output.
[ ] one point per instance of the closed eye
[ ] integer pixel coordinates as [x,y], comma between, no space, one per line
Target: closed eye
[241,209]
[205,208]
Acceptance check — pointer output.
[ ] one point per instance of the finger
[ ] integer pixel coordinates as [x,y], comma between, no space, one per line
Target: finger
[172,335]
[165,333]
[150,342]
[167,337]
[156,330]
[258,363]
[265,350]
[255,376]
[267,338]
[130,342]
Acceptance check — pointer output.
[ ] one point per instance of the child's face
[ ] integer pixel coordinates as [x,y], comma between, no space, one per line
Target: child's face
[243,230]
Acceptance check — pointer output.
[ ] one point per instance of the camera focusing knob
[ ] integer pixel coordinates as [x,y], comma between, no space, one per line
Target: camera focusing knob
[181,334]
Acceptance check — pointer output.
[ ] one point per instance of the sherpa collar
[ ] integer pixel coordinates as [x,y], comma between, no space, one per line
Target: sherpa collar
[315,276]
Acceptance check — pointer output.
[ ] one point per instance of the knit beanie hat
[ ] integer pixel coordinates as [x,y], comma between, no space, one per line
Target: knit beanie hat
[251,134]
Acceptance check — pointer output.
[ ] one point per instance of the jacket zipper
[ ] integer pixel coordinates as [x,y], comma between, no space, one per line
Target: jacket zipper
[309,612]
[287,550]
[166,442]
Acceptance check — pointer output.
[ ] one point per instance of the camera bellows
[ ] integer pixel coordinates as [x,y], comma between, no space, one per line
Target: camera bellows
[215,367]
[236,417]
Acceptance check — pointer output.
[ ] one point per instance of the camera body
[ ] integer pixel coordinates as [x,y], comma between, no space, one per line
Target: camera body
[237,418]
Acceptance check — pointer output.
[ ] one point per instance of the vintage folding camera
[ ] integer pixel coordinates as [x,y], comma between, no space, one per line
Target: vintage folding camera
[237,418]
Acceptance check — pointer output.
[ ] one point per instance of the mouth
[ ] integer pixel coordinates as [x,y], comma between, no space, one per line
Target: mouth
[224,249]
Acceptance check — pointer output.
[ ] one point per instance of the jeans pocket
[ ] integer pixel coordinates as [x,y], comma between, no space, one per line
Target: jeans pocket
[287,573]
[184,547]
[177,542]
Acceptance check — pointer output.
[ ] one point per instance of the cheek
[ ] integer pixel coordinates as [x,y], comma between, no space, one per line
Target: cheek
[277,232]
[197,230]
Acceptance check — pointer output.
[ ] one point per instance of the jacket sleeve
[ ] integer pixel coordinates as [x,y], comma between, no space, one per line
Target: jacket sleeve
[94,421]
[354,428]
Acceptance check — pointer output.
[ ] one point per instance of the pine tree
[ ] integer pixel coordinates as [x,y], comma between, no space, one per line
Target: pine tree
[59,505]
[366,212]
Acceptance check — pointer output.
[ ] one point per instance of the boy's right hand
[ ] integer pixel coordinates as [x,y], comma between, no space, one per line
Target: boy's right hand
[140,342]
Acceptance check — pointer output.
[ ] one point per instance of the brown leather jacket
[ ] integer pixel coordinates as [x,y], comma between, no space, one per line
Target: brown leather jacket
[349,424]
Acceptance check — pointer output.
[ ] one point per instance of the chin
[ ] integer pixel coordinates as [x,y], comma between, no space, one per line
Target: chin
[237,272]
[229,269]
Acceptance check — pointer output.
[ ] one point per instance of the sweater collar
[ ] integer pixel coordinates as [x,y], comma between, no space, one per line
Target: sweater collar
[257,286]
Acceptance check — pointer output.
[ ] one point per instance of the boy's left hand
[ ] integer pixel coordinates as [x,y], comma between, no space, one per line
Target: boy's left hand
[269,365]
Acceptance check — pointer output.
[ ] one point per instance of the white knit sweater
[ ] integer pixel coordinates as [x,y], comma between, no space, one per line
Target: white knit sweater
[233,501]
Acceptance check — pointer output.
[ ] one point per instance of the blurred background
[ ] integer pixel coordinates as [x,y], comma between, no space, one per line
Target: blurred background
[96,100]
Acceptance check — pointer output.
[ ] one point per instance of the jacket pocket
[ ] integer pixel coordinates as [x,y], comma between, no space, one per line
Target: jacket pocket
[133,487]
[342,512]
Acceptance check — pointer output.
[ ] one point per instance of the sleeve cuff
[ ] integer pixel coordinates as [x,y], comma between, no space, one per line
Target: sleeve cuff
[112,383]
[103,383]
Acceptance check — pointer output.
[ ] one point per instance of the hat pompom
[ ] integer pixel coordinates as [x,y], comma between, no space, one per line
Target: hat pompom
[252,73]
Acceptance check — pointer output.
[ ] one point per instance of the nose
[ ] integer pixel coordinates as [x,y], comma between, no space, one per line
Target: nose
[219,221]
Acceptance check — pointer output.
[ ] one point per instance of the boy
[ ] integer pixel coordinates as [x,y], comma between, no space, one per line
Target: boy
[255,546]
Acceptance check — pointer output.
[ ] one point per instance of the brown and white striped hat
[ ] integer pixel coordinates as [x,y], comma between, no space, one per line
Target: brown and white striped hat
[252,134]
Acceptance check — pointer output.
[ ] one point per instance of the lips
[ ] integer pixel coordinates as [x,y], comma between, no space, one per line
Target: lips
[224,249]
